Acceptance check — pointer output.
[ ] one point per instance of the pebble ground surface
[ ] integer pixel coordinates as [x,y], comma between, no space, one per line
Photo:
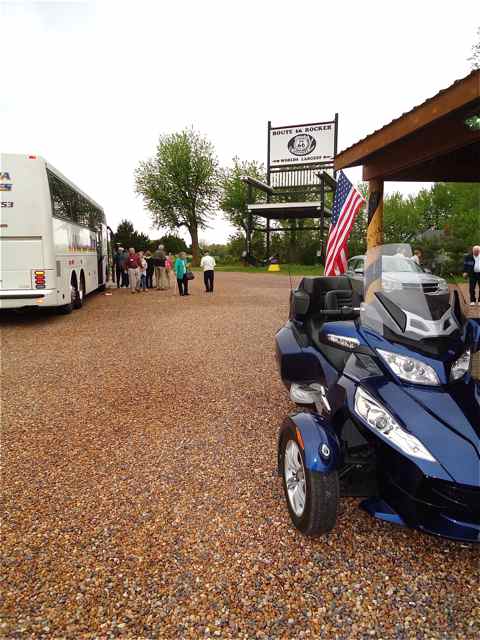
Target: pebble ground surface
[140,498]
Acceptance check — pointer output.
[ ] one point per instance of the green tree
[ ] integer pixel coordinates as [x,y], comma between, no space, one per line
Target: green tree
[180,184]
[442,219]
[402,219]
[215,248]
[172,243]
[236,244]
[234,194]
[475,57]
[127,237]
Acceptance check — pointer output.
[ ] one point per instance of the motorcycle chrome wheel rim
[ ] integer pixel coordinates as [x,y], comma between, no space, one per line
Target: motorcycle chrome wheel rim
[294,473]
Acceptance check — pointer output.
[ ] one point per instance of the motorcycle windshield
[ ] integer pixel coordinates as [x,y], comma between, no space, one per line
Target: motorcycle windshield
[402,301]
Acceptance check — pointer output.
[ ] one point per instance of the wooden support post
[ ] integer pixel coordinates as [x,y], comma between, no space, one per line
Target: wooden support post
[268,156]
[268,239]
[373,266]
[375,213]
[248,235]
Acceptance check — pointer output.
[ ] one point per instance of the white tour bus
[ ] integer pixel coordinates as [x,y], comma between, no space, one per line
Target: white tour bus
[53,237]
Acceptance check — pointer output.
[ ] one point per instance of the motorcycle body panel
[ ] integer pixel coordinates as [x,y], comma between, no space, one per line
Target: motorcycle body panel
[440,497]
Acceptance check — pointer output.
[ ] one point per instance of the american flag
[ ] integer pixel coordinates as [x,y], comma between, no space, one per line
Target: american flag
[346,205]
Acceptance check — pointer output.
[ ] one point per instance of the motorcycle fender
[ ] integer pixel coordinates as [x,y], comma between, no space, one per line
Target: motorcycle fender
[317,437]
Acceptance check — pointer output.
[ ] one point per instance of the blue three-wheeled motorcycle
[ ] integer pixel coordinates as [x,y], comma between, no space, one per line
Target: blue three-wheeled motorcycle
[387,408]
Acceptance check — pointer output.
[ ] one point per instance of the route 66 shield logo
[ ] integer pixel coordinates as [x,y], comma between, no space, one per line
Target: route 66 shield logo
[301,144]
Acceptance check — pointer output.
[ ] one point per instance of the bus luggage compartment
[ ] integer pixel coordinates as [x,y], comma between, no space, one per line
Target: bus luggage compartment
[19,258]
[23,278]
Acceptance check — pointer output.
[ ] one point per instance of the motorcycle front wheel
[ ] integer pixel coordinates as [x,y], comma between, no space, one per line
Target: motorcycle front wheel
[312,497]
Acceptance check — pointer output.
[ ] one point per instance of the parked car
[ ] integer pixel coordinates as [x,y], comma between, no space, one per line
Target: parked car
[398,272]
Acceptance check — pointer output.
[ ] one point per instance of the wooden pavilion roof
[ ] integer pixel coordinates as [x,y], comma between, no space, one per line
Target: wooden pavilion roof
[432,142]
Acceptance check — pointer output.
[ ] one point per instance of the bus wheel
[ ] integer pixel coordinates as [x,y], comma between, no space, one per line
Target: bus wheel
[68,308]
[82,293]
[78,295]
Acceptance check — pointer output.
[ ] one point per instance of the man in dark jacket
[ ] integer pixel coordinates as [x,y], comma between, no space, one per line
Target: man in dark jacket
[159,258]
[119,261]
[150,269]
[471,268]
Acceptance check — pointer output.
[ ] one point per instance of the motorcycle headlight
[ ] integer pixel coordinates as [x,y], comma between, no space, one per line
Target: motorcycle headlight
[380,420]
[410,369]
[461,366]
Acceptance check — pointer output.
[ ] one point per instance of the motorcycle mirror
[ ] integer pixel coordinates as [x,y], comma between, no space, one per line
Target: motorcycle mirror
[300,302]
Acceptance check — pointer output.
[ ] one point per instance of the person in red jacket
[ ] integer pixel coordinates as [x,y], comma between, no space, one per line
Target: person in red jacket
[132,267]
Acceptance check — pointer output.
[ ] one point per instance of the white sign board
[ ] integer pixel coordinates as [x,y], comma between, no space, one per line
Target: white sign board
[302,144]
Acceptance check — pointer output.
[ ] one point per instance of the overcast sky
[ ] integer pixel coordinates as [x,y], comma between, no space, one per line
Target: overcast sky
[91,85]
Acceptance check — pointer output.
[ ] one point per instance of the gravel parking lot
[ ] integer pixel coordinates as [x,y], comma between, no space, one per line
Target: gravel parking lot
[140,497]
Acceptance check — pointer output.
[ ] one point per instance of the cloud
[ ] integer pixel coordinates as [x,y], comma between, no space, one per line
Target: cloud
[91,85]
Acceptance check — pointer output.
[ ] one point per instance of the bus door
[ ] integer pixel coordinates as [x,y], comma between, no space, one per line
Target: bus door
[100,256]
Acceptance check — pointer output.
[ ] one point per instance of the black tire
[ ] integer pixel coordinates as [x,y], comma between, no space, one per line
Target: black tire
[78,296]
[322,494]
[65,309]
[68,308]
[83,291]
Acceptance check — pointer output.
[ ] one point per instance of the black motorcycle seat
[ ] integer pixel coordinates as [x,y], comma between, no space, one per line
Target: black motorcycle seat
[330,299]
[330,294]
[339,299]
[318,287]
[336,356]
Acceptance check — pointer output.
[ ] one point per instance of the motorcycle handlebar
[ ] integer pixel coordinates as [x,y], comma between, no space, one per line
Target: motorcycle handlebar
[341,311]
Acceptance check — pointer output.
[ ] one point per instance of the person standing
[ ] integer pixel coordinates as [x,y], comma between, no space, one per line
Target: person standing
[168,268]
[417,257]
[120,259]
[150,269]
[119,262]
[142,266]
[159,261]
[471,268]
[132,267]
[181,273]
[125,281]
[208,265]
